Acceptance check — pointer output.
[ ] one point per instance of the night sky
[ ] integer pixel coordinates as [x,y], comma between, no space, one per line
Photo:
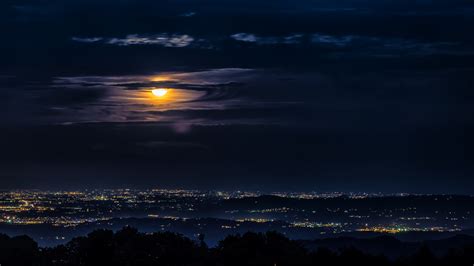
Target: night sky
[324,95]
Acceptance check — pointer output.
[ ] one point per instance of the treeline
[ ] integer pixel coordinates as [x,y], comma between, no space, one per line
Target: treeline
[129,247]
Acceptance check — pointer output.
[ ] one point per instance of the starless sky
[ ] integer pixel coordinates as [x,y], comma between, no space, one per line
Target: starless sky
[340,95]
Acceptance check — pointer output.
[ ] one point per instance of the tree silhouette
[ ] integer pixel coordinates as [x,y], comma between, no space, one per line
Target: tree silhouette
[270,248]
[128,247]
[19,250]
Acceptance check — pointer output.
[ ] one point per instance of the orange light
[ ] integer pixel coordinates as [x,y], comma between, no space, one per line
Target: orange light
[159,92]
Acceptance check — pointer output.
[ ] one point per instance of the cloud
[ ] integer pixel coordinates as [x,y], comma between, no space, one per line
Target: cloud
[127,98]
[360,45]
[187,80]
[339,41]
[351,45]
[164,39]
[87,40]
[295,38]
[188,14]
[253,38]
[380,46]
[245,37]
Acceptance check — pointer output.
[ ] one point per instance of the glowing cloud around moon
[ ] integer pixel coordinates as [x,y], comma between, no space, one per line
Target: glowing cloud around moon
[159,92]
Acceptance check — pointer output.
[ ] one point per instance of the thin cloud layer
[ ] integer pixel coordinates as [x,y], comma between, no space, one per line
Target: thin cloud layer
[355,45]
[358,44]
[86,99]
[87,40]
[166,40]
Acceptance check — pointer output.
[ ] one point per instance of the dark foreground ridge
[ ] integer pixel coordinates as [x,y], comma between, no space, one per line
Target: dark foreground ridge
[130,247]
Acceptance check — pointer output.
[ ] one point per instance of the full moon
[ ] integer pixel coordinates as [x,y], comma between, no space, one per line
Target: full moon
[159,92]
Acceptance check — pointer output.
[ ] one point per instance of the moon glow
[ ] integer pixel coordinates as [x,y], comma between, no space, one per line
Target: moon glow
[159,92]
